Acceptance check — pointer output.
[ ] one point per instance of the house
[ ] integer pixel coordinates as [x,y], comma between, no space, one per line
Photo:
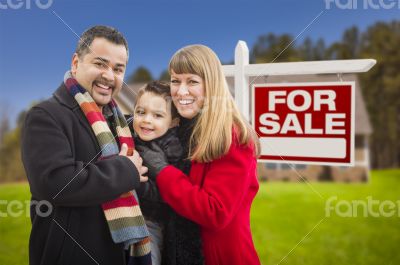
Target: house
[291,172]
[127,96]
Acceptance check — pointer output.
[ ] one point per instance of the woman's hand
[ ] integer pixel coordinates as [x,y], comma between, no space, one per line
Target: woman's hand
[153,157]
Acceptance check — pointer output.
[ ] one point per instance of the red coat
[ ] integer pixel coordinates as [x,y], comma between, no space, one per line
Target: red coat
[221,206]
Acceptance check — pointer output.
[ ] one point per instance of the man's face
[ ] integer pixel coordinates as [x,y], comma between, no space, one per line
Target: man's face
[101,71]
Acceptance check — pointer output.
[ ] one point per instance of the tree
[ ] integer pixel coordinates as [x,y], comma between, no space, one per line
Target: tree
[272,48]
[11,166]
[141,75]
[306,50]
[11,163]
[4,121]
[348,47]
[351,40]
[381,89]
[319,50]
[165,76]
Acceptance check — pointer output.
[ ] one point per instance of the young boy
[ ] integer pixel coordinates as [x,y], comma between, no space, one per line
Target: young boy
[154,121]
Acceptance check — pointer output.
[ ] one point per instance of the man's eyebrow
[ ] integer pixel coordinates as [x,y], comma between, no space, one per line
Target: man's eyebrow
[101,59]
[107,61]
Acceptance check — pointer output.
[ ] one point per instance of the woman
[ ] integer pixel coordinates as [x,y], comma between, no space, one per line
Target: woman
[222,148]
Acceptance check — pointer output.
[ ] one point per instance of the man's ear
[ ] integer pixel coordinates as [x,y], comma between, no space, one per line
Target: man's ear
[74,63]
[174,123]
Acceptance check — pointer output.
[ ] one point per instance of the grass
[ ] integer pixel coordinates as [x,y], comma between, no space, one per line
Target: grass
[14,231]
[288,221]
[283,214]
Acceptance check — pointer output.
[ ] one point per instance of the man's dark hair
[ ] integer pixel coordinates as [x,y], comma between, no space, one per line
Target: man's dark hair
[106,32]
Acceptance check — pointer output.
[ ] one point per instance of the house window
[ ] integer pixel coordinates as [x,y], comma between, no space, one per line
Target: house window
[359,141]
[271,166]
[300,166]
[286,166]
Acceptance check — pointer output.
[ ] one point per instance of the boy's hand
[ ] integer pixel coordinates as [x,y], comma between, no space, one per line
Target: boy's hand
[153,157]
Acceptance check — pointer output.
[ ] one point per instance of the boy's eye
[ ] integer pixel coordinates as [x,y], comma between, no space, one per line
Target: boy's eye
[174,81]
[139,112]
[159,115]
[193,82]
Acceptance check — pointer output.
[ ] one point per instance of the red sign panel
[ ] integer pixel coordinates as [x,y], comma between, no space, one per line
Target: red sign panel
[310,123]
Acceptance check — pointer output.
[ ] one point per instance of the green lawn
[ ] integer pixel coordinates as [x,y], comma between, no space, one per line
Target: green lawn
[283,214]
[289,223]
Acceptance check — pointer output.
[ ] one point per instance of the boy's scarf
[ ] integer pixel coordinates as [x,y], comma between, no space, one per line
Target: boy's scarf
[123,215]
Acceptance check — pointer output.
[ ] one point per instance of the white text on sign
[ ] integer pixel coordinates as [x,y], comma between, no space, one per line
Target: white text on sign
[310,102]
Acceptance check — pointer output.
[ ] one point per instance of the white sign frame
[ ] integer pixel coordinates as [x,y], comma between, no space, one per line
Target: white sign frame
[302,84]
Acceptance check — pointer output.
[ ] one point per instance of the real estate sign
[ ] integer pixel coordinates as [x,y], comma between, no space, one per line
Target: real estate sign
[307,123]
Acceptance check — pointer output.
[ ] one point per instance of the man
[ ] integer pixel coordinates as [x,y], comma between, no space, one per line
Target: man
[66,165]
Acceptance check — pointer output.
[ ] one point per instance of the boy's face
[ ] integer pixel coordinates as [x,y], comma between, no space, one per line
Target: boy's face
[152,117]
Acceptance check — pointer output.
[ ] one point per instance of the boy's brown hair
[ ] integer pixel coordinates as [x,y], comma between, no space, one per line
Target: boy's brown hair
[161,89]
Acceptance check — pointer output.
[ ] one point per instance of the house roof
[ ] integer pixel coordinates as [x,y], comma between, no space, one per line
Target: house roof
[127,97]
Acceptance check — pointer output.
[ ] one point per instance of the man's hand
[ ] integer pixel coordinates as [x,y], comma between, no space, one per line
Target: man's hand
[136,160]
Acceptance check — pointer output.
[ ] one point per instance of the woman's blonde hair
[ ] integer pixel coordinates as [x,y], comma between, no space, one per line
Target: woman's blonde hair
[212,133]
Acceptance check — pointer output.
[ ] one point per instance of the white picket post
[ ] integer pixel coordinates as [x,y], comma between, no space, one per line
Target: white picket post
[242,92]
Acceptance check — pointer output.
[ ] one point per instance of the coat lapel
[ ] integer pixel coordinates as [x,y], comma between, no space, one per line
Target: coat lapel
[62,96]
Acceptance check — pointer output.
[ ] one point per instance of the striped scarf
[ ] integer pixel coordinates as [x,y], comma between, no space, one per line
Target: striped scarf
[123,215]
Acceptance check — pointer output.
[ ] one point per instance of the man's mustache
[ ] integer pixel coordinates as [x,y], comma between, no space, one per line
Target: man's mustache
[105,82]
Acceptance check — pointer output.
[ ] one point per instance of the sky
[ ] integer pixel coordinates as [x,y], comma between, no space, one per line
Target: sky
[38,38]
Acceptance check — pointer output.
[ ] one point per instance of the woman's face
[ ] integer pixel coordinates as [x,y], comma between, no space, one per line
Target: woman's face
[187,91]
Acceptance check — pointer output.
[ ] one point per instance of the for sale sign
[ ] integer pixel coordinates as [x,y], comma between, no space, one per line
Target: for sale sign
[308,123]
